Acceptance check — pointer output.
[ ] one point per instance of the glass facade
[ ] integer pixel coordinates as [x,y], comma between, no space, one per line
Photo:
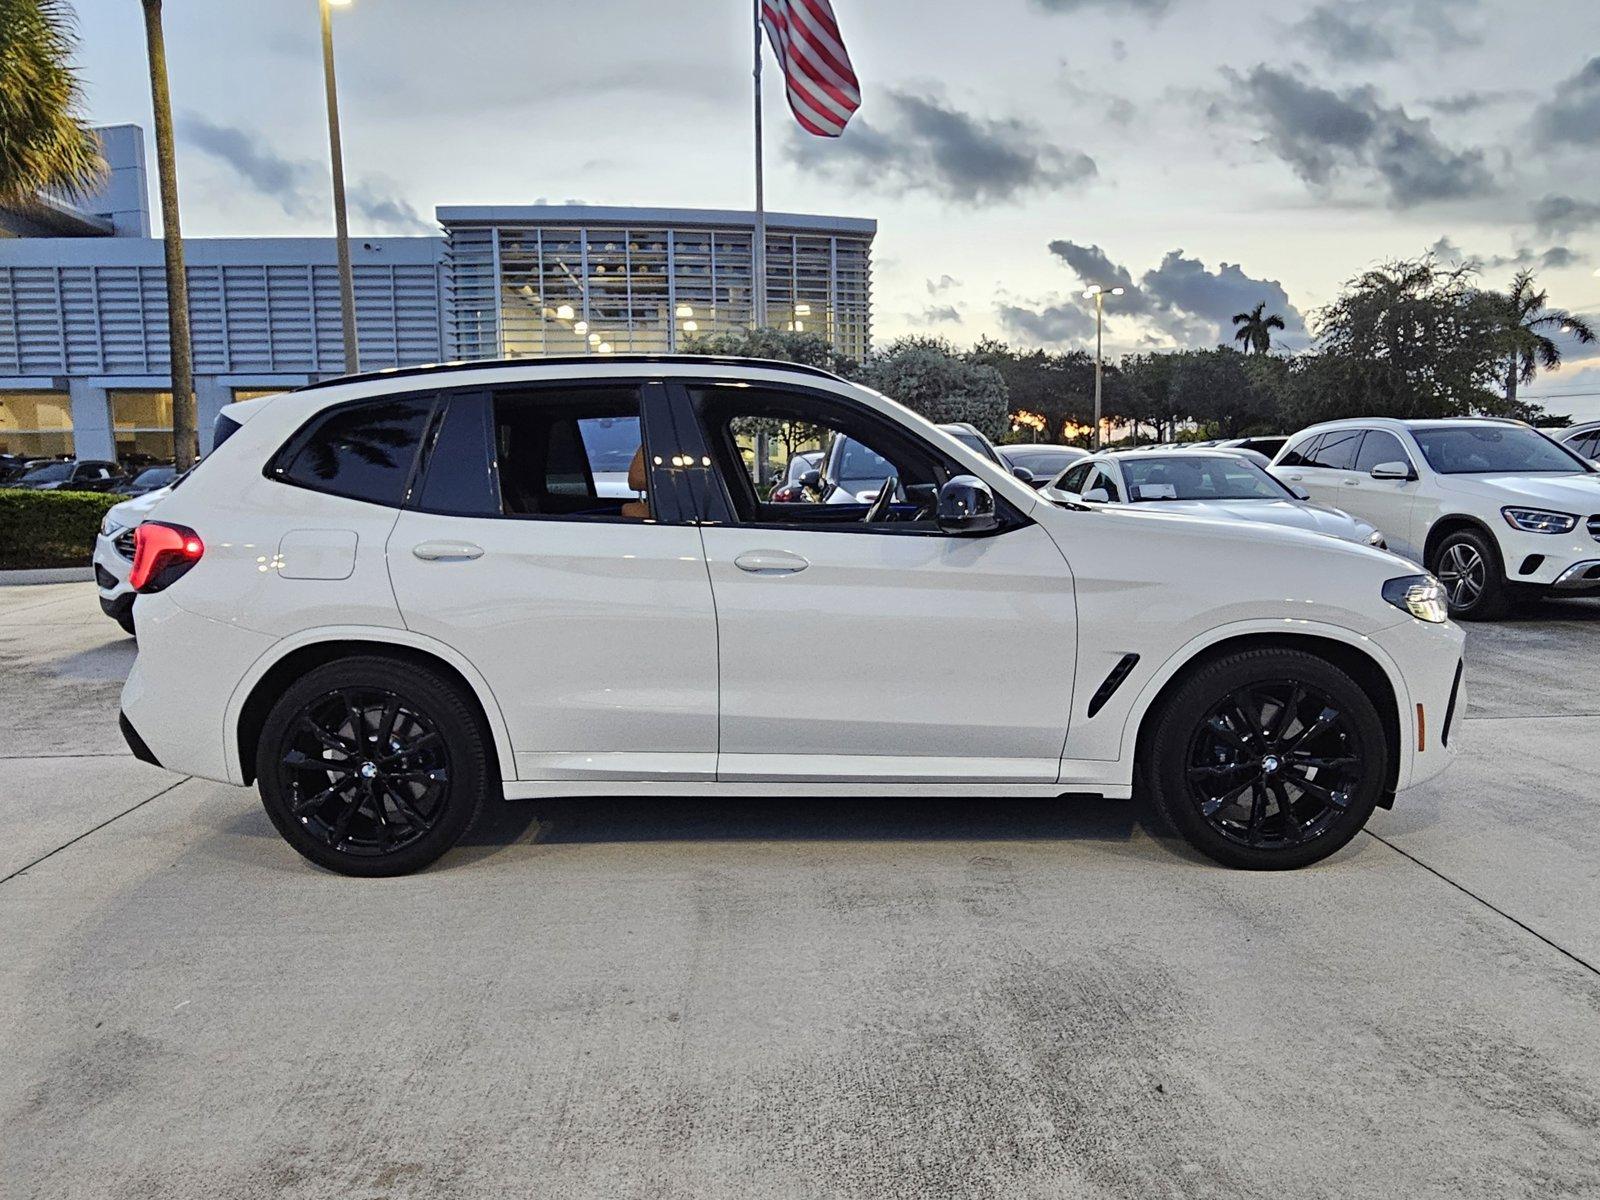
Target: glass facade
[142,424]
[35,424]
[531,282]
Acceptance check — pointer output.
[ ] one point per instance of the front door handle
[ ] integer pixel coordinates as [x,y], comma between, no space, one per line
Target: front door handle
[770,562]
[1352,483]
[447,551]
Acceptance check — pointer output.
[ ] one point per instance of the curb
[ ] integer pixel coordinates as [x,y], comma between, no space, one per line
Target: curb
[47,575]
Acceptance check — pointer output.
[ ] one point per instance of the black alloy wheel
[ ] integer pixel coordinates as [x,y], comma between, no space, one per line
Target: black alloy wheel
[370,766]
[1267,759]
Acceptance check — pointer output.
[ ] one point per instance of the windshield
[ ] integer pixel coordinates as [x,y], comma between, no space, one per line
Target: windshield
[1163,478]
[857,463]
[154,477]
[972,441]
[610,442]
[54,473]
[1481,450]
[1041,462]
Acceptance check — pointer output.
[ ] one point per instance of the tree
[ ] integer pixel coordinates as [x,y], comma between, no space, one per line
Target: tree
[1255,328]
[1056,387]
[929,376]
[1217,389]
[184,417]
[44,145]
[810,349]
[1525,314]
[1416,338]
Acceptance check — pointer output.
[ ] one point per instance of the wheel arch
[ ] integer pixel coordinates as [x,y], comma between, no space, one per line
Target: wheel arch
[292,658]
[1374,677]
[1446,525]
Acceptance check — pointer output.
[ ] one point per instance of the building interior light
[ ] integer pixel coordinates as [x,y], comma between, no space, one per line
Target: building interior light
[691,326]
[802,310]
[685,311]
[604,347]
[594,339]
[580,327]
[565,313]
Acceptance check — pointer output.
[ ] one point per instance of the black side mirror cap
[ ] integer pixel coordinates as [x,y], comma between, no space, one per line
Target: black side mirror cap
[966,505]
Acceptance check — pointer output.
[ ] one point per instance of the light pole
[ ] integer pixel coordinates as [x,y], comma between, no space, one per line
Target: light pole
[1099,293]
[341,225]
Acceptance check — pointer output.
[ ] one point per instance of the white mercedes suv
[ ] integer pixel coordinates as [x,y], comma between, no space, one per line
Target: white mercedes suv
[1492,507]
[391,597]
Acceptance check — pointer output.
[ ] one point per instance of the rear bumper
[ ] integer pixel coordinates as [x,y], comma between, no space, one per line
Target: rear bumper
[117,607]
[135,742]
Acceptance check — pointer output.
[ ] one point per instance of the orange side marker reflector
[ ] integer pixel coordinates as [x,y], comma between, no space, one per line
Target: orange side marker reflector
[1422,730]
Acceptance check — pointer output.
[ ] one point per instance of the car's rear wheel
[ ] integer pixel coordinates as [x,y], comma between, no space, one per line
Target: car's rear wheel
[369,766]
[1468,565]
[1267,759]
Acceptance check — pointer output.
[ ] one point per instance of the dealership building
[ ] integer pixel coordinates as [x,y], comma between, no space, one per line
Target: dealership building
[84,366]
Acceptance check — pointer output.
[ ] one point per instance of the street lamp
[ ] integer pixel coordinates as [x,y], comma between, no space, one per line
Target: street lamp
[341,225]
[1099,294]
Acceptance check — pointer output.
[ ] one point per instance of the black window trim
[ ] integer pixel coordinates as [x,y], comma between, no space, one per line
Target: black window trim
[653,403]
[716,502]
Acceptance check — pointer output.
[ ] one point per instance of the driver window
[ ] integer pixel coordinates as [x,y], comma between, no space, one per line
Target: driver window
[1102,479]
[1074,479]
[790,458]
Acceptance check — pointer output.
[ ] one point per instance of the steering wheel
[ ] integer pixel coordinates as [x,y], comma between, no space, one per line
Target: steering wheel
[879,509]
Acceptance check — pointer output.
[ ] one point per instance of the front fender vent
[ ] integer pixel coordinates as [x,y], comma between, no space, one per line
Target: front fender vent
[1113,681]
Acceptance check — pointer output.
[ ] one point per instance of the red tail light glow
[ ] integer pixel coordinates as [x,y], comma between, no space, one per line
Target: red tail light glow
[161,554]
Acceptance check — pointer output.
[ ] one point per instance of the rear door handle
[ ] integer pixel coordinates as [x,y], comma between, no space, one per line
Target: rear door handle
[447,551]
[770,562]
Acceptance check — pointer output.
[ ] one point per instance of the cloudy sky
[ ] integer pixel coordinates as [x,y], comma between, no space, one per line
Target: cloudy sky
[1205,154]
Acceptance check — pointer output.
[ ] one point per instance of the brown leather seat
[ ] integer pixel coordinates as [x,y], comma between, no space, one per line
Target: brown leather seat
[638,481]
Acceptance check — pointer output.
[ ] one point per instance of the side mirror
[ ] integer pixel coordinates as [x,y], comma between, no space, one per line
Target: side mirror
[1393,470]
[1023,474]
[1096,496]
[811,479]
[966,505]
[1300,493]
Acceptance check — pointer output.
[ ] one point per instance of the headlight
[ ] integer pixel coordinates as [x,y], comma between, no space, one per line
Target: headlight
[1538,520]
[1375,538]
[108,527]
[1420,595]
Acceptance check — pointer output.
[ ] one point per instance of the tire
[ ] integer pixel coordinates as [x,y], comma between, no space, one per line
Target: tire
[389,812]
[1290,791]
[1468,563]
[125,619]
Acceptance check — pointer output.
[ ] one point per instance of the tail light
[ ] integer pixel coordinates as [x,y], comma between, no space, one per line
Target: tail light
[162,554]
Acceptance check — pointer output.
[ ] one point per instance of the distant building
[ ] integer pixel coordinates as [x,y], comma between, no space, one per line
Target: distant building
[84,365]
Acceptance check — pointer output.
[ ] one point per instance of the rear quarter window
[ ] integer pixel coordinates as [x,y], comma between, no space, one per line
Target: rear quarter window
[364,451]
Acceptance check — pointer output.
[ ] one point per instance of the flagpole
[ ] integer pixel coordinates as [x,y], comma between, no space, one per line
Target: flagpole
[758,246]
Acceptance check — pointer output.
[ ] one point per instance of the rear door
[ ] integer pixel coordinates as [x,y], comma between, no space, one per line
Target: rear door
[551,542]
[1329,467]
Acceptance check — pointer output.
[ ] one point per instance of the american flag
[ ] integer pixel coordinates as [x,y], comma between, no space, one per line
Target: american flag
[822,86]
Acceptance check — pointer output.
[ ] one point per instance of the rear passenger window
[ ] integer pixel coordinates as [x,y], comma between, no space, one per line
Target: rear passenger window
[575,453]
[362,451]
[1300,453]
[1336,451]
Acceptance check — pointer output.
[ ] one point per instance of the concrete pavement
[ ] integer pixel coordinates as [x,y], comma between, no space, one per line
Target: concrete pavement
[864,998]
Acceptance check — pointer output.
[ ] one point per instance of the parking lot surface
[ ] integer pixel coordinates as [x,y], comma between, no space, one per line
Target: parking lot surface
[619,998]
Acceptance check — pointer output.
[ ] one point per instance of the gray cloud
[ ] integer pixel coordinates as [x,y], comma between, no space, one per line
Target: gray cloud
[929,146]
[1051,324]
[1150,8]
[1558,215]
[936,314]
[1345,36]
[1369,31]
[299,186]
[292,184]
[1552,259]
[942,284]
[1322,133]
[1572,115]
[1092,265]
[1462,103]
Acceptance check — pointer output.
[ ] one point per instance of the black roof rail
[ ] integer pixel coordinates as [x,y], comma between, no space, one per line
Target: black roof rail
[486,364]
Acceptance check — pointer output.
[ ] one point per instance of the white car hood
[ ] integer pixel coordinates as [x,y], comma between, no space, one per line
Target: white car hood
[131,512]
[1296,514]
[1578,494]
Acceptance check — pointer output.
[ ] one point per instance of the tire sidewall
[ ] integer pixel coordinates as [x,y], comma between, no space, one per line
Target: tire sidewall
[1494,599]
[1194,699]
[438,699]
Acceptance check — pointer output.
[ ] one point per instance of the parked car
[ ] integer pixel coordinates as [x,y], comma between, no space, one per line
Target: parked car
[354,604]
[148,480]
[800,480]
[1041,463]
[113,554]
[1582,439]
[82,475]
[1492,507]
[1204,483]
[1268,446]
[853,473]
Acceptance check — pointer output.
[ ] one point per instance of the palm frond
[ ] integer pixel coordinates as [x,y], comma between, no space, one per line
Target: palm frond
[45,144]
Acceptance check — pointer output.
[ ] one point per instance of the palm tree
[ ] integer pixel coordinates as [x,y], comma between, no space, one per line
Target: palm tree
[1255,328]
[184,418]
[44,145]
[1525,313]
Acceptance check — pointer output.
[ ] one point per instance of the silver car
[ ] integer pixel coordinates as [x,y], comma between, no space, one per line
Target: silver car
[1214,483]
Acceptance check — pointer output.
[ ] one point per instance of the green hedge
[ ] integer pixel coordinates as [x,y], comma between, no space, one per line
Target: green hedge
[50,529]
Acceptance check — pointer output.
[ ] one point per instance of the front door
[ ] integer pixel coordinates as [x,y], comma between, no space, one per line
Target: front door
[874,650]
[1389,504]
[545,544]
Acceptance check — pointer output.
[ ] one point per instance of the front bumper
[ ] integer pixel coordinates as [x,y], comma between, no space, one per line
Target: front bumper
[1561,561]
[110,570]
[1431,696]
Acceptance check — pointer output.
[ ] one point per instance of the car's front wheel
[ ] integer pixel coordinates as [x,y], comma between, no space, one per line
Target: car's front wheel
[1267,759]
[370,766]
[1468,566]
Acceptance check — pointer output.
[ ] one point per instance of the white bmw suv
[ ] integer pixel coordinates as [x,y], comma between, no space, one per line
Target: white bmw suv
[389,598]
[1492,507]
